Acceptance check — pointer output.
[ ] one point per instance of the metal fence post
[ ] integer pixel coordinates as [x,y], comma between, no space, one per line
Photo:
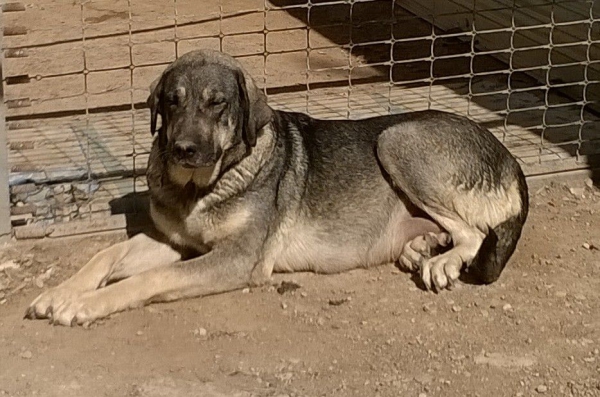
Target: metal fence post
[5,228]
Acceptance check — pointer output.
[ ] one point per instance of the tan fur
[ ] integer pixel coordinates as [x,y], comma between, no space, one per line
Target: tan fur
[201,176]
[171,228]
[134,256]
[180,175]
[181,92]
[204,176]
[474,214]
[206,93]
[493,207]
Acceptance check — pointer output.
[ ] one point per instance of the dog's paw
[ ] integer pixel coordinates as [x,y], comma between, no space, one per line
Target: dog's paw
[441,271]
[82,310]
[48,301]
[66,306]
[421,248]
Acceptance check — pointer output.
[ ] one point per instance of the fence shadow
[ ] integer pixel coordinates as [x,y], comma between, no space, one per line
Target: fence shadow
[362,27]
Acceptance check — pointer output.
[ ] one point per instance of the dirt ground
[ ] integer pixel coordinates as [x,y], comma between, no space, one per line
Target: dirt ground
[363,333]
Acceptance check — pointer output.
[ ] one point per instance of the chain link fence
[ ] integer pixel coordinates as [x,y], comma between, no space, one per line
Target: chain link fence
[76,76]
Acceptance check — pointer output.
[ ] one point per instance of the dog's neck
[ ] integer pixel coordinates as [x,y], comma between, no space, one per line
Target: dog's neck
[233,174]
[239,176]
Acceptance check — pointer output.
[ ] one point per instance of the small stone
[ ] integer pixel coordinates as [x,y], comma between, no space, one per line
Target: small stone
[303,294]
[9,265]
[246,291]
[589,183]
[202,332]
[504,361]
[27,354]
[287,286]
[39,282]
[284,305]
[456,309]
[587,246]
[577,191]
[507,307]
[579,297]
[424,379]
[560,294]
[139,333]
[338,302]
[422,395]
[541,389]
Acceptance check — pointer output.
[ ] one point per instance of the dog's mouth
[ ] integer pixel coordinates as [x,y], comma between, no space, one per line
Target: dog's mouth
[194,165]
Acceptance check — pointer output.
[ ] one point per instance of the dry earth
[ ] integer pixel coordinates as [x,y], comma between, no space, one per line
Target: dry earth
[363,333]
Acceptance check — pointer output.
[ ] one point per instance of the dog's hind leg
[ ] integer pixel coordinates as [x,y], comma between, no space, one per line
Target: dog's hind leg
[421,248]
[466,181]
[442,270]
[125,259]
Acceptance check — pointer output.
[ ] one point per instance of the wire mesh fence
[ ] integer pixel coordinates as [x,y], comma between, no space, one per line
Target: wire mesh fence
[76,77]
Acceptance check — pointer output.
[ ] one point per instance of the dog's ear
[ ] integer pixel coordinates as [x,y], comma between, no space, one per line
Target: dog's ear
[256,111]
[154,103]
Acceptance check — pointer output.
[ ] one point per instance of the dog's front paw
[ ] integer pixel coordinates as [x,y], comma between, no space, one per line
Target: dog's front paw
[441,271]
[48,301]
[66,306]
[83,309]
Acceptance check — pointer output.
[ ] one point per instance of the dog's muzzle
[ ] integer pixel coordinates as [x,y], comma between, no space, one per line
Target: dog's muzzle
[190,155]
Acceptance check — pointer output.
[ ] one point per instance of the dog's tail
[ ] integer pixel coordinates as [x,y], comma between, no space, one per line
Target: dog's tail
[501,241]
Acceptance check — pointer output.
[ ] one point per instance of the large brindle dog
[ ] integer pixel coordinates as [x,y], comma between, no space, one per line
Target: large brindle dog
[249,191]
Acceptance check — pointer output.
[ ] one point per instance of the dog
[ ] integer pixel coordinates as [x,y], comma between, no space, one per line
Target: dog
[239,190]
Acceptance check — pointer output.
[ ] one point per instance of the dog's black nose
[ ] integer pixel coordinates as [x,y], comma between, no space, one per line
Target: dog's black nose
[185,150]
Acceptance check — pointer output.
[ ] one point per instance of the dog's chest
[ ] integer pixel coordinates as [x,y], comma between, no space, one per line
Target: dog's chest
[211,222]
[199,226]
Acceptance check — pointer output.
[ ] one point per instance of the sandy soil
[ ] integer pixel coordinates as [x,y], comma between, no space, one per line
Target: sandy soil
[363,333]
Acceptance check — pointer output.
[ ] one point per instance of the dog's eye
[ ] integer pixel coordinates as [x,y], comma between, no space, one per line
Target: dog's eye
[218,102]
[173,100]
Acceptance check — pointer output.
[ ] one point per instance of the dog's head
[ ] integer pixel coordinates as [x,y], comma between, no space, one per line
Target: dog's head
[208,105]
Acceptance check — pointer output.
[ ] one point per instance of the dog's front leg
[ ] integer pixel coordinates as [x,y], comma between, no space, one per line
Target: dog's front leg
[216,272]
[121,260]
